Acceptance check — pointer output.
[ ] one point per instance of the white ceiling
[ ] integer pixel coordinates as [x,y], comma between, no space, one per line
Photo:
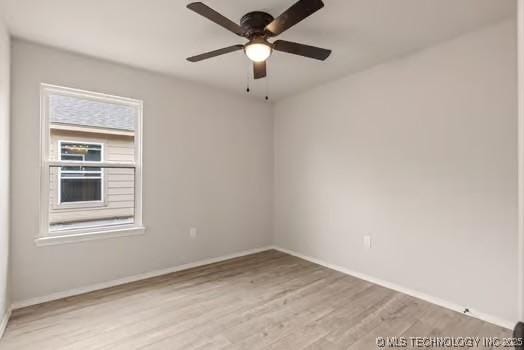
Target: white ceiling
[159,34]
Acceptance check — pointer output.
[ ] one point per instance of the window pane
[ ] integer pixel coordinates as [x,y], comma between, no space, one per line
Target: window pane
[81,190]
[95,197]
[73,157]
[81,152]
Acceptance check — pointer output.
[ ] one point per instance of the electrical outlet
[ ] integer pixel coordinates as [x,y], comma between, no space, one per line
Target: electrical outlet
[193,232]
[367,241]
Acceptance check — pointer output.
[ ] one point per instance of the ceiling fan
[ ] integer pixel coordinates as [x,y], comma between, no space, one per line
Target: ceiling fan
[258,27]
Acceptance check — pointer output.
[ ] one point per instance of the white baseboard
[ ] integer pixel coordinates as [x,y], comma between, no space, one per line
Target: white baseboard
[120,281]
[426,297]
[3,322]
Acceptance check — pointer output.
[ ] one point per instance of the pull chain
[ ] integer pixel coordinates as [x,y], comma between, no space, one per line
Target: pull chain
[248,82]
[248,79]
[267,84]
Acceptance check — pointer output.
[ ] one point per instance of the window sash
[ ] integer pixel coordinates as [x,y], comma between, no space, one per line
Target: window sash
[137,220]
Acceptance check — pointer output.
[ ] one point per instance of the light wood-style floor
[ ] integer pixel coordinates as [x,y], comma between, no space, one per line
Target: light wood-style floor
[268,300]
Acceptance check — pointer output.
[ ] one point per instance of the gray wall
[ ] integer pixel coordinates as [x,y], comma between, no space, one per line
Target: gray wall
[207,163]
[421,154]
[4,169]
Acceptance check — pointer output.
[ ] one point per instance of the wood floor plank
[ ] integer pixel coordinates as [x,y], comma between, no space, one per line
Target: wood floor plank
[268,300]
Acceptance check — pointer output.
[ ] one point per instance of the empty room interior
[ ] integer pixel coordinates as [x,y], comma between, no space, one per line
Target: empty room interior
[261,174]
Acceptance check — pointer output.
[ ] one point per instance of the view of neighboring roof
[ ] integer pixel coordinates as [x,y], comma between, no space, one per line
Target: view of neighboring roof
[84,112]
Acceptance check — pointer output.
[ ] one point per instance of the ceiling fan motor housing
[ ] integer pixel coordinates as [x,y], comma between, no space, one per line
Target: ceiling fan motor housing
[254,23]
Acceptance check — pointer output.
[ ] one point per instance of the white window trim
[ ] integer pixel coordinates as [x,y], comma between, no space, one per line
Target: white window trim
[122,231]
[44,237]
[84,204]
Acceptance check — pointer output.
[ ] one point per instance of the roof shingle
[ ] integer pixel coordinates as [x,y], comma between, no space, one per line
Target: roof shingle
[78,111]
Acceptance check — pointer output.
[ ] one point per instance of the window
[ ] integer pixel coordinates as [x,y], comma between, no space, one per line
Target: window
[79,183]
[91,165]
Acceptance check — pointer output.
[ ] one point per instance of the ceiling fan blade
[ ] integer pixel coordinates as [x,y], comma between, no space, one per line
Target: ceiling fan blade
[216,17]
[215,53]
[301,49]
[259,69]
[296,13]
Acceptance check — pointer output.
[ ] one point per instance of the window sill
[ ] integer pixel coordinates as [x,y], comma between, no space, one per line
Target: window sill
[80,205]
[90,236]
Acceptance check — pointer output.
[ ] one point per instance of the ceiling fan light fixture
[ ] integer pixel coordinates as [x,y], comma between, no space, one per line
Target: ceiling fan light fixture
[258,51]
[258,27]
